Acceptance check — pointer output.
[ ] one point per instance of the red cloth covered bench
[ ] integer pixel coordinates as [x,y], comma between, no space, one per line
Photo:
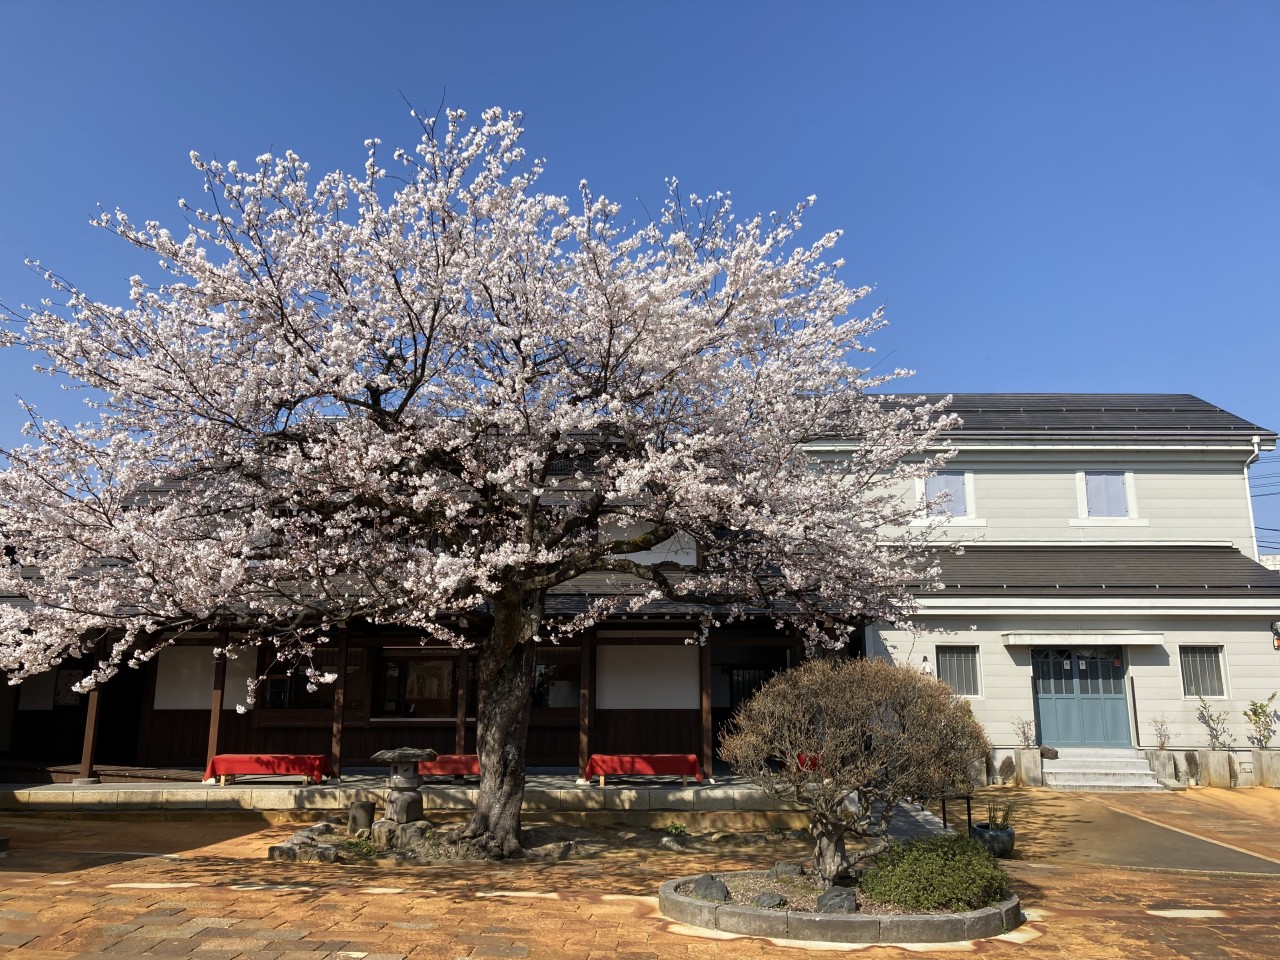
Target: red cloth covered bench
[311,767]
[682,765]
[455,764]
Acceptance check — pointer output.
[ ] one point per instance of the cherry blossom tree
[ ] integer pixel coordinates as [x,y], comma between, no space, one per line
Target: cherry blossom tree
[425,396]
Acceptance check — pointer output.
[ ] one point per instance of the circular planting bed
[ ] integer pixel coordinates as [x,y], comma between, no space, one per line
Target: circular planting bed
[834,927]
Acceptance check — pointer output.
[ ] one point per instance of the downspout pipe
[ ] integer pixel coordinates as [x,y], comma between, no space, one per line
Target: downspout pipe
[1248,496]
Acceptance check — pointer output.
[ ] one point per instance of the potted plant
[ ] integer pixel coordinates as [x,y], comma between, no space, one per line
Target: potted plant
[995,833]
[1261,717]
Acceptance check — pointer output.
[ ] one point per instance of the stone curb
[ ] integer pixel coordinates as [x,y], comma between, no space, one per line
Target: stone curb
[837,927]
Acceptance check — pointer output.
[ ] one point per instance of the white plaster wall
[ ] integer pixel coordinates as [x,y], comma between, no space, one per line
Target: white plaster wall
[647,677]
[184,679]
[1251,667]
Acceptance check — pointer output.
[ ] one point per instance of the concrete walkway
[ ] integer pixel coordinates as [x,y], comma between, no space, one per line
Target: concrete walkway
[202,889]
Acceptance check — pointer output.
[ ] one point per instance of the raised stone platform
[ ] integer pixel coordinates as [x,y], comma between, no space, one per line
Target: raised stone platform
[546,794]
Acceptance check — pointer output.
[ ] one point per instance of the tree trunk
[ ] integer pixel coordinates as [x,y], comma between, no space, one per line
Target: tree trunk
[830,860]
[502,723]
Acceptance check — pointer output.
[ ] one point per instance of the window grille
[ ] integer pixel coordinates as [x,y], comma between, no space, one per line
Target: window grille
[1202,671]
[958,669]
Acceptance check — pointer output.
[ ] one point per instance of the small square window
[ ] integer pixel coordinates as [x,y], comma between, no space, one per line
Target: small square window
[958,669]
[1202,671]
[949,487]
[1105,494]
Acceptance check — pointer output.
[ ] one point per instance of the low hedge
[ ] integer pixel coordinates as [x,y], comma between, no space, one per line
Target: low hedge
[940,872]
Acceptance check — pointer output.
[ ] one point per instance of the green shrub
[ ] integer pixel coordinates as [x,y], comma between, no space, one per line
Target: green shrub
[941,872]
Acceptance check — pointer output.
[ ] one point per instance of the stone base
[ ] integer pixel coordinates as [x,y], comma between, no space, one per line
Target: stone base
[838,927]
[404,806]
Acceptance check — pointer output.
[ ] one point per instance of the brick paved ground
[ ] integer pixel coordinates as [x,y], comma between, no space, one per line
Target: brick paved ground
[94,889]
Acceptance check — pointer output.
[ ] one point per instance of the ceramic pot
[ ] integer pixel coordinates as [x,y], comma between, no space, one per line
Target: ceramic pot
[999,842]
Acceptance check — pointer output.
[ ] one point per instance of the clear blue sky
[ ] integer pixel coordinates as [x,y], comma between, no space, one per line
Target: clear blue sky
[1046,197]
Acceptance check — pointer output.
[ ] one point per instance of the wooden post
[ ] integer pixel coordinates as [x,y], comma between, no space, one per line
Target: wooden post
[90,737]
[460,722]
[704,704]
[339,698]
[585,696]
[215,706]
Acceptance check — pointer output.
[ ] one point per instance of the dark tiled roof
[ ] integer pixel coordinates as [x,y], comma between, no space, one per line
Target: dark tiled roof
[1182,571]
[1103,416]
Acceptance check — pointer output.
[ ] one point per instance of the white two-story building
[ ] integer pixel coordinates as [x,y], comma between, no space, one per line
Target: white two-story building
[1109,577]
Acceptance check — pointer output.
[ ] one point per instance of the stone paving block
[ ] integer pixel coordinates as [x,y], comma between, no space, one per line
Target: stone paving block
[273,798]
[229,798]
[674,798]
[147,798]
[184,799]
[134,947]
[1010,914]
[833,927]
[938,928]
[979,924]
[500,950]
[581,798]
[624,798]
[748,799]
[441,798]
[541,799]
[752,921]
[279,934]
[43,798]
[11,799]
[93,797]
[16,939]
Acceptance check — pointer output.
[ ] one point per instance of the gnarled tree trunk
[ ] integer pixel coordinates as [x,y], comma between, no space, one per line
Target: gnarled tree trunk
[830,859]
[502,722]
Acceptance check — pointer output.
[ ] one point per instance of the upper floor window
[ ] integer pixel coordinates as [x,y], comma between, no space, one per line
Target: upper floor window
[945,494]
[1106,494]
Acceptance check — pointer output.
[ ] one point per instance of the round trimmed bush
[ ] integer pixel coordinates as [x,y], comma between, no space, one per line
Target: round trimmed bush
[941,872]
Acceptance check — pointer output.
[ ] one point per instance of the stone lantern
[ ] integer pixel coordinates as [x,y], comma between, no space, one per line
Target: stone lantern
[404,802]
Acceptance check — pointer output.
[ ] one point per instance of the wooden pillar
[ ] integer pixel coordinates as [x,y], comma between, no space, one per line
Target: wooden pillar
[215,705]
[339,706]
[704,705]
[586,696]
[90,735]
[460,722]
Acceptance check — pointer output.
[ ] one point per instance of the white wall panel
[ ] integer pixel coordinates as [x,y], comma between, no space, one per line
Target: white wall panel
[647,677]
[184,679]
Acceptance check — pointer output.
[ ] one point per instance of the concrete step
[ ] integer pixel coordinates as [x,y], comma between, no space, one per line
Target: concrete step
[1092,787]
[1114,766]
[1091,769]
[1098,753]
[1093,776]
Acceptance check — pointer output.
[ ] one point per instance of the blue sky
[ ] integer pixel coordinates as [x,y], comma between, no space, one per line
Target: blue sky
[1045,197]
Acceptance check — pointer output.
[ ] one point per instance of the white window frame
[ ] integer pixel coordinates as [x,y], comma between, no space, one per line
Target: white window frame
[1222,670]
[1130,496]
[977,667]
[968,519]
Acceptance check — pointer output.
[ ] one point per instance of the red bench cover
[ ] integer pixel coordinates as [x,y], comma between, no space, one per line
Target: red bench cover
[313,766]
[621,764]
[457,764]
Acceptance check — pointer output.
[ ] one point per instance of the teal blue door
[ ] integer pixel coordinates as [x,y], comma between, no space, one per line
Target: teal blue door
[1080,698]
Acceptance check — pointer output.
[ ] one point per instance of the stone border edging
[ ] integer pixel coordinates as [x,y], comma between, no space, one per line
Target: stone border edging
[837,927]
